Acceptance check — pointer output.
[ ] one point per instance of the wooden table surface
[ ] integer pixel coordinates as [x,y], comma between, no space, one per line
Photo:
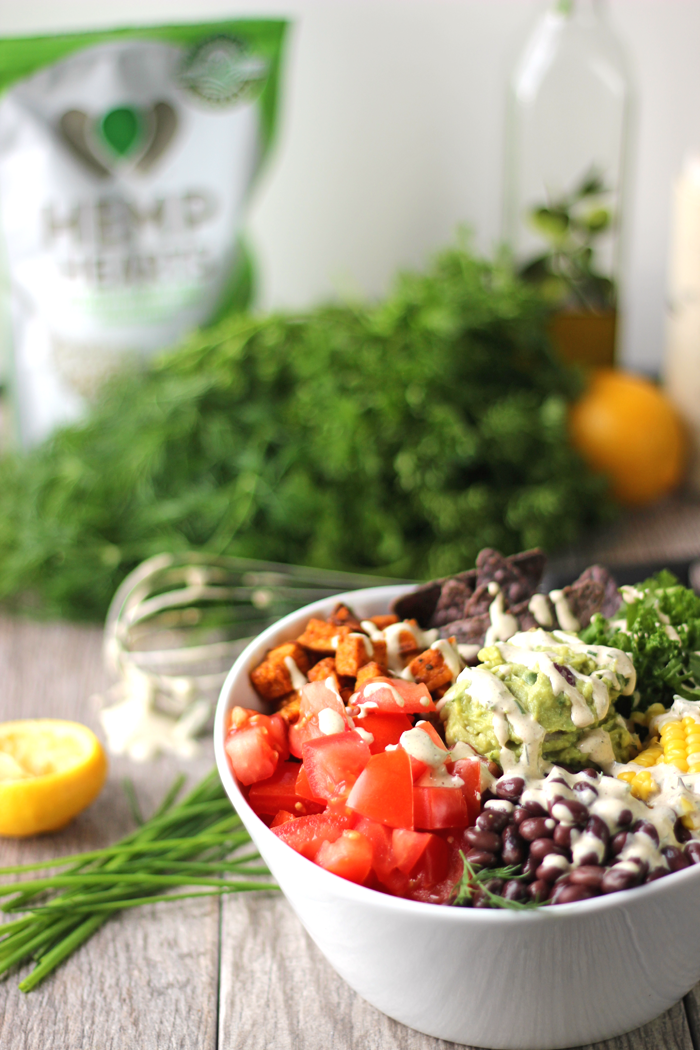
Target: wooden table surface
[199,975]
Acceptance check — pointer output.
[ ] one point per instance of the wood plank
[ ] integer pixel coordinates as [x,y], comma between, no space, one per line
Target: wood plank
[277,990]
[149,978]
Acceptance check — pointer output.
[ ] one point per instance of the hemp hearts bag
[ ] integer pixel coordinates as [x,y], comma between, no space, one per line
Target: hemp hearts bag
[126,158]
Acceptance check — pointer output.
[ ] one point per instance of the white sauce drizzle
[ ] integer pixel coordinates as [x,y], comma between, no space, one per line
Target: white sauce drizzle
[392,636]
[450,656]
[539,607]
[369,648]
[372,630]
[364,735]
[298,678]
[373,687]
[489,691]
[330,721]
[503,624]
[564,614]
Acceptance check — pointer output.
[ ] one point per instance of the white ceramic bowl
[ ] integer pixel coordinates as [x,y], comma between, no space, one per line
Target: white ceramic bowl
[558,977]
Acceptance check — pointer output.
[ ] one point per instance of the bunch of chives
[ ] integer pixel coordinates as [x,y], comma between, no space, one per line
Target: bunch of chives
[185,844]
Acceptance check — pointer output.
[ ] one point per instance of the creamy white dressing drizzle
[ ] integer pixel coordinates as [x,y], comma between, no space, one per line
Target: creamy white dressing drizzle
[563,610]
[503,624]
[364,735]
[298,678]
[373,687]
[450,655]
[542,662]
[598,746]
[539,607]
[369,647]
[489,691]
[372,630]
[392,636]
[330,721]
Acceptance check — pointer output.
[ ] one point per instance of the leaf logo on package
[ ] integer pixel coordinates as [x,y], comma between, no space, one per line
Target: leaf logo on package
[125,137]
[221,72]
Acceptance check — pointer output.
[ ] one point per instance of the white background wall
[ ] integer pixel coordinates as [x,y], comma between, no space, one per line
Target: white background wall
[392,134]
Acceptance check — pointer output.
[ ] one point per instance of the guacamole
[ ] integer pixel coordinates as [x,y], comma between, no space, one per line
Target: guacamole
[560,698]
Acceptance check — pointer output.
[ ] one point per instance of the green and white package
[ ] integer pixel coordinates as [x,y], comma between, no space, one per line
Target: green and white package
[126,158]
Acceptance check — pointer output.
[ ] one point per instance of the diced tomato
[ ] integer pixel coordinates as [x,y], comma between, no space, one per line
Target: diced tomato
[434,876]
[333,763]
[469,770]
[267,797]
[307,834]
[350,856]
[385,728]
[432,732]
[315,696]
[281,818]
[307,728]
[384,790]
[439,807]
[408,847]
[396,696]
[303,788]
[255,748]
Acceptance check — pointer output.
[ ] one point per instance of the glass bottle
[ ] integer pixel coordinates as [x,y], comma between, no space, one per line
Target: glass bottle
[567,124]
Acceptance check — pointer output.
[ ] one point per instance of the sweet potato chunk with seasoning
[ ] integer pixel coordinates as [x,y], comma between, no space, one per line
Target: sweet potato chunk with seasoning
[353,651]
[384,621]
[322,637]
[324,669]
[288,707]
[367,671]
[431,669]
[273,678]
[343,616]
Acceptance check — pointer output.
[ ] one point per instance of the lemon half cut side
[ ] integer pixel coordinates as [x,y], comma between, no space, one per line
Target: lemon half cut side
[50,770]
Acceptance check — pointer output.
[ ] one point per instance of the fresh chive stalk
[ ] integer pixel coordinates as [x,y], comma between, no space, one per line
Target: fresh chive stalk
[197,842]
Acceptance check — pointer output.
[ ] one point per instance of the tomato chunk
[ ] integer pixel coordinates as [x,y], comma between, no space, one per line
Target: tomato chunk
[315,696]
[302,786]
[307,834]
[469,771]
[307,728]
[408,846]
[384,790]
[333,763]
[350,856]
[385,728]
[439,807]
[268,797]
[395,696]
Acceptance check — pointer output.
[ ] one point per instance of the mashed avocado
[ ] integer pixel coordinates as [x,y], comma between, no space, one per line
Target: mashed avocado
[568,692]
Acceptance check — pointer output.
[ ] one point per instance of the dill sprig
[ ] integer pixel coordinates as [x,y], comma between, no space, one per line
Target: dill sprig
[198,842]
[475,880]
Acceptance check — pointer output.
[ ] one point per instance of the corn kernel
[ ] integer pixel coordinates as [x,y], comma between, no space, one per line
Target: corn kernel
[643,786]
[628,776]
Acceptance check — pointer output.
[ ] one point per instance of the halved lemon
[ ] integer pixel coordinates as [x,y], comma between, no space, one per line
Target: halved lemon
[50,770]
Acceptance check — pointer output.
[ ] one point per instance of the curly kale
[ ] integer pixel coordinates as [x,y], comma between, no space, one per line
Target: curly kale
[660,629]
[400,437]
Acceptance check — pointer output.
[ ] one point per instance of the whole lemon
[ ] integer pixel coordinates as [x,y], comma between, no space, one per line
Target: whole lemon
[625,427]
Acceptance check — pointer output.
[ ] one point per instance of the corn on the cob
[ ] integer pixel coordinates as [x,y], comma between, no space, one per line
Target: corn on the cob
[642,784]
[679,746]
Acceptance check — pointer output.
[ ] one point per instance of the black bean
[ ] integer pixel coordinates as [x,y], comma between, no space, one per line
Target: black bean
[514,890]
[514,848]
[494,885]
[571,893]
[539,890]
[645,827]
[492,820]
[569,811]
[510,788]
[519,815]
[480,900]
[534,809]
[619,841]
[616,878]
[657,873]
[486,796]
[591,858]
[557,788]
[682,833]
[692,851]
[596,826]
[530,867]
[481,858]
[483,840]
[550,872]
[675,858]
[592,773]
[566,674]
[537,828]
[587,875]
[562,835]
[588,791]
[540,848]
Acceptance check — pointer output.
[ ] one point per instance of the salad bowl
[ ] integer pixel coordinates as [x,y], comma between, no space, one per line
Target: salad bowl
[548,978]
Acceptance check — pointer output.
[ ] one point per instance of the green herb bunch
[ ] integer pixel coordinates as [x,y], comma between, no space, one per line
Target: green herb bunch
[196,842]
[661,632]
[400,437]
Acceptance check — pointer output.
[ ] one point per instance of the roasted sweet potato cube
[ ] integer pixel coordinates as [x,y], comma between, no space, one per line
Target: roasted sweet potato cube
[342,615]
[384,621]
[288,707]
[431,669]
[353,651]
[273,677]
[322,637]
[367,671]
[324,669]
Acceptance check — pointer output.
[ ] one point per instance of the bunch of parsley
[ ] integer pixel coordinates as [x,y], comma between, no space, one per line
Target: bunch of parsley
[400,437]
[660,629]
